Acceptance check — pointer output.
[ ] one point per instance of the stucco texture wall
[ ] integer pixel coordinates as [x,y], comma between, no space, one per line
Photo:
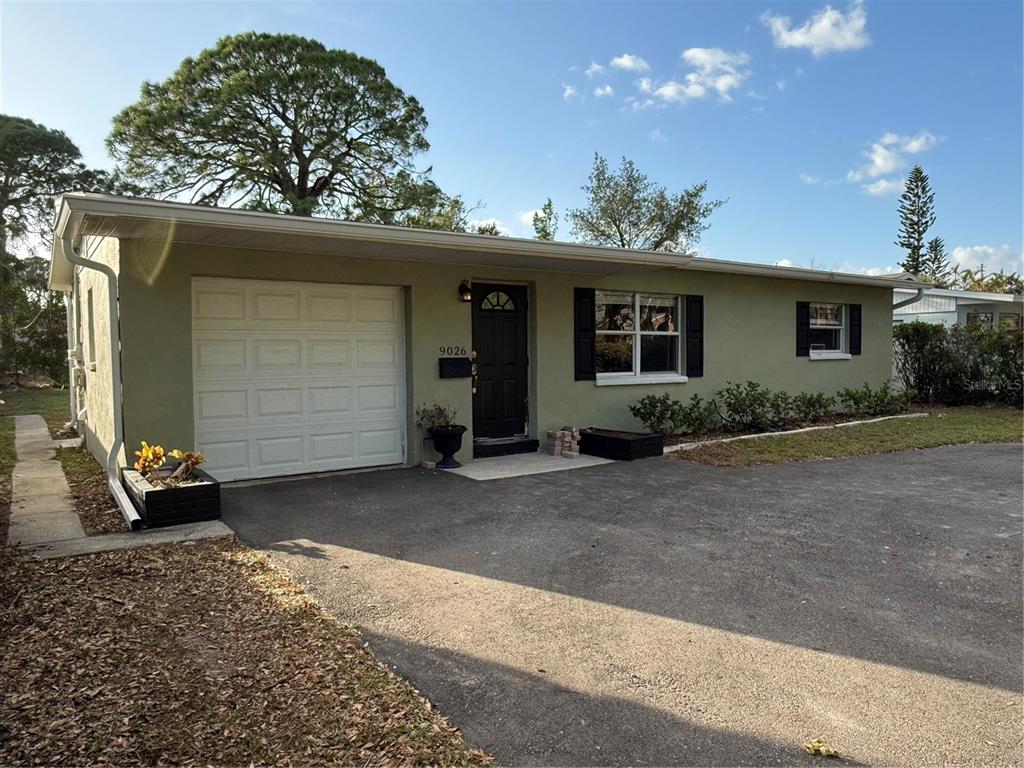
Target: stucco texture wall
[749,333]
[98,426]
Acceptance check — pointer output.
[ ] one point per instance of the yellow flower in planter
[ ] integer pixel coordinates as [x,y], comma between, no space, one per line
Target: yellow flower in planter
[189,461]
[151,458]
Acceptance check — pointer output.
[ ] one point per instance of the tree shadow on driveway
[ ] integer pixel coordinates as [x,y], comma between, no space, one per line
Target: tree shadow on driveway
[911,560]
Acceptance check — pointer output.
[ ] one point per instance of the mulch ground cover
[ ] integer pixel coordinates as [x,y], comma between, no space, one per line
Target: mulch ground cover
[201,654]
[88,483]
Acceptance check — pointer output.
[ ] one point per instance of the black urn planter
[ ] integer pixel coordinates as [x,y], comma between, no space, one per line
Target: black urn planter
[174,505]
[447,442]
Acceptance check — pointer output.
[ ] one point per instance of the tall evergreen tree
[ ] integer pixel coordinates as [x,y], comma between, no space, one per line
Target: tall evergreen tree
[545,222]
[917,215]
[935,264]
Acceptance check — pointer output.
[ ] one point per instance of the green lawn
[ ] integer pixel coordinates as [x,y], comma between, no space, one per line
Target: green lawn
[943,426]
[51,404]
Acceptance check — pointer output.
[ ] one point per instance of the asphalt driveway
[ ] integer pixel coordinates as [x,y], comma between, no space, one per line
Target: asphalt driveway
[665,612]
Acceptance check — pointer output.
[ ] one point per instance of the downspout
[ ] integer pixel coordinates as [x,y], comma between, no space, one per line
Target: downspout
[72,356]
[912,300]
[124,504]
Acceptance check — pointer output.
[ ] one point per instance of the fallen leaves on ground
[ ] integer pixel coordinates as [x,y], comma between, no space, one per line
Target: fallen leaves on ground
[201,654]
[819,747]
[88,483]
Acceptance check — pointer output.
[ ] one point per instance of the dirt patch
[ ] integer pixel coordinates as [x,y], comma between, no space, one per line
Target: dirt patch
[195,654]
[88,482]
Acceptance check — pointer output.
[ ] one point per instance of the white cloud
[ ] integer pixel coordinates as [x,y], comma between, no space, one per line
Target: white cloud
[657,135]
[593,69]
[630,63]
[809,180]
[526,217]
[603,90]
[825,31]
[887,156]
[568,91]
[713,71]
[781,84]
[883,187]
[994,257]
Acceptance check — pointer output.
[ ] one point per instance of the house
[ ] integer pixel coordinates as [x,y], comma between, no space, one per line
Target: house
[949,307]
[283,345]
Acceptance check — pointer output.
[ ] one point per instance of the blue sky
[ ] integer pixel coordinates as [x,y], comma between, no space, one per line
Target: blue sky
[804,116]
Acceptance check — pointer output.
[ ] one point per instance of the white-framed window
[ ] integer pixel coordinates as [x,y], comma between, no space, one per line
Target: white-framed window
[827,329]
[979,318]
[637,336]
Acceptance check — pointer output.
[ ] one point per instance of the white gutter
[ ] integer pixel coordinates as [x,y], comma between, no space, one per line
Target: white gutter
[124,504]
[912,300]
[110,209]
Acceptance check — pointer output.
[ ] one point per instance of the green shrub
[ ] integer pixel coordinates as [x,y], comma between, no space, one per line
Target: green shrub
[961,364]
[699,415]
[813,406]
[780,408]
[746,406]
[660,414]
[865,401]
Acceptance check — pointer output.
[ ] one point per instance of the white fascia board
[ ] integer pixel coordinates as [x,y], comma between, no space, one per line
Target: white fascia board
[73,206]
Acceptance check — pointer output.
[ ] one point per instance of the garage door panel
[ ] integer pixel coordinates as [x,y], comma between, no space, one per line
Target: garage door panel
[276,305]
[222,405]
[304,377]
[329,353]
[332,447]
[228,458]
[218,304]
[330,400]
[329,308]
[275,403]
[219,355]
[276,353]
[377,309]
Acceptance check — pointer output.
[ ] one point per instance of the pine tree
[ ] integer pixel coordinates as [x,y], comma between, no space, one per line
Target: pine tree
[545,222]
[917,214]
[935,264]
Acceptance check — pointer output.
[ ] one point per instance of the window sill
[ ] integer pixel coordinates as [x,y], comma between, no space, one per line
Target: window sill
[617,381]
[830,356]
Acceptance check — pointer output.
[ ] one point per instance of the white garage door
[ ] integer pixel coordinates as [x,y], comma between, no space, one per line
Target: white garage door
[296,377]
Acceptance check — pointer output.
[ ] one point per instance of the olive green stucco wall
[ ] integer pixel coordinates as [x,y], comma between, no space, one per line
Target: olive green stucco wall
[749,333]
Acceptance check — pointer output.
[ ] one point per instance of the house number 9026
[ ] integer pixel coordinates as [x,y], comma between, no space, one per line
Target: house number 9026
[453,350]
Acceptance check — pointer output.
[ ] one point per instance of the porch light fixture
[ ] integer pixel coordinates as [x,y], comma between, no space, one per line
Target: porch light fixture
[465,292]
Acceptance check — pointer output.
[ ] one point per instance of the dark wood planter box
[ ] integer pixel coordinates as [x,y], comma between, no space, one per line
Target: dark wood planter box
[621,446]
[190,503]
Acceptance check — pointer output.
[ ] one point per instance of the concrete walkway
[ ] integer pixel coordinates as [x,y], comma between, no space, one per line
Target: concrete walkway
[42,509]
[43,517]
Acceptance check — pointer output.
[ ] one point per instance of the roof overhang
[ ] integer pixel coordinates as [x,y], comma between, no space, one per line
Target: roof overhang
[976,297]
[81,214]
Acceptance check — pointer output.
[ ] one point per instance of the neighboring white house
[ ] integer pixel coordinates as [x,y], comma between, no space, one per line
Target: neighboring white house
[949,307]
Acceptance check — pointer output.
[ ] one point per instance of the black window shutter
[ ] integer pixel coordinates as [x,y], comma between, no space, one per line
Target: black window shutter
[694,335]
[803,329]
[855,329]
[585,313]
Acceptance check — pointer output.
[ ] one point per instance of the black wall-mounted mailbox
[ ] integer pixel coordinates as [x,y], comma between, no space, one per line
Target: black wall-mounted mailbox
[455,367]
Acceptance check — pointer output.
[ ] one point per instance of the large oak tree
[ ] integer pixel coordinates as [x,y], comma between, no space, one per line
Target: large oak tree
[280,123]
